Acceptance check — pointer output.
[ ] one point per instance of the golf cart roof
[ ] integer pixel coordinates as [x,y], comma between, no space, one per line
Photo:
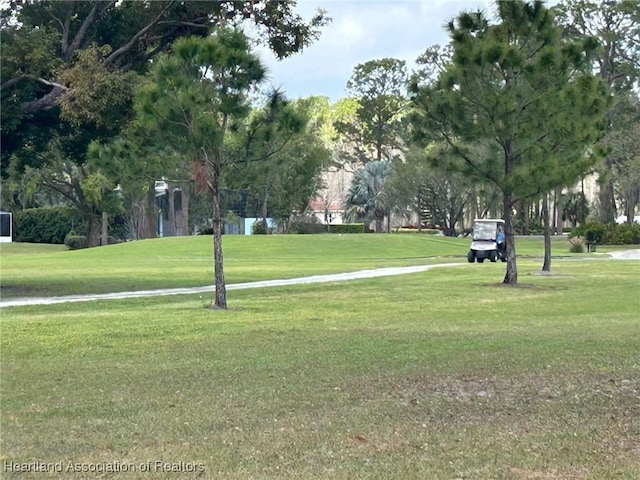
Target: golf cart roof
[488,220]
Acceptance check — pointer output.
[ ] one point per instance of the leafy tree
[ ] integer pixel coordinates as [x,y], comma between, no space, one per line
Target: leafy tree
[575,208]
[431,193]
[369,194]
[616,25]
[516,106]
[68,67]
[623,147]
[193,97]
[134,32]
[346,137]
[432,63]
[282,163]
[134,161]
[379,86]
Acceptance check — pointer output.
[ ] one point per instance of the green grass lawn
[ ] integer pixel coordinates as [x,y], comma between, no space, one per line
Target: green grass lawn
[439,375]
[47,270]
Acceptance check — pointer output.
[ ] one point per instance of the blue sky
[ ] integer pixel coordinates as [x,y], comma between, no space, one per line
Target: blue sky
[363,30]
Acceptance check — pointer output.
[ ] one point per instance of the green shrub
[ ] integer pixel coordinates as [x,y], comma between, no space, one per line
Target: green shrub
[46,225]
[306,225]
[259,227]
[624,234]
[75,242]
[347,228]
[535,226]
[577,245]
[206,231]
[428,231]
[591,229]
[117,228]
[610,234]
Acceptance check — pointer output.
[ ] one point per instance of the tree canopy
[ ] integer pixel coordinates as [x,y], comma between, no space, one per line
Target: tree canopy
[379,86]
[517,105]
[616,26]
[73,61]
[69,70]
[50,34]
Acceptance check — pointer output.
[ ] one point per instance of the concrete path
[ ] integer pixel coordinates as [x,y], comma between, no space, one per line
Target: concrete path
[337,277]
[625,255]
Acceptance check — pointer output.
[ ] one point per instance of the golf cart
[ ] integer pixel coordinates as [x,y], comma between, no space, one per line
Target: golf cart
[484,244]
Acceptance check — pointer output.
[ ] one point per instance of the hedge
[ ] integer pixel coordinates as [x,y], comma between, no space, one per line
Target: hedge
[426,231]
[46,225]
[307,225]
[346,228]
[611,233]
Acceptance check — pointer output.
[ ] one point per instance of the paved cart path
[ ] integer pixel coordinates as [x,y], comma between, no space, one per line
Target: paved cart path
[336,277]
[625,255]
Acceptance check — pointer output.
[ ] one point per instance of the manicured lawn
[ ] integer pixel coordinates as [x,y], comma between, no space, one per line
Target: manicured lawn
[46,270]
[437,375]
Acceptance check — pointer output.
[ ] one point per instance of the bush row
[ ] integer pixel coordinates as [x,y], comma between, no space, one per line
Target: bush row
[346,228]
[610,233]
[305,224]
[427,231]
[46,225]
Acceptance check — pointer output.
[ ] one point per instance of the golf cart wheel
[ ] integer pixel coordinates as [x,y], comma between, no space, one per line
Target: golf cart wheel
[471,257]
[493,257]
[503,258]
[480,260]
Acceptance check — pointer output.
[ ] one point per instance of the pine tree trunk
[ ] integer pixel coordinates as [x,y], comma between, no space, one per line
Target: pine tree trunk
[379,221]
[136,219]
[221,291]
[558,211]
[526,206]
[511,277]
[92,230]
[607,201]
[171,210]
[183,217]
[629,212]
[546,266]
[265,208]
[151,212]
[104,235]
[631,199]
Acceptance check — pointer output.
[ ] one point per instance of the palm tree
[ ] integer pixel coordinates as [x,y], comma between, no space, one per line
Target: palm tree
[368,195]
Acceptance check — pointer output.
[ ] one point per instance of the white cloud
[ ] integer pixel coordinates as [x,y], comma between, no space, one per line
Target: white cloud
[363,30]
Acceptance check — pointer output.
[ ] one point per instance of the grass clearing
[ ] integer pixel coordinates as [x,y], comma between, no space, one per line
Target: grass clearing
[188,261]
[437,375]
[45,270]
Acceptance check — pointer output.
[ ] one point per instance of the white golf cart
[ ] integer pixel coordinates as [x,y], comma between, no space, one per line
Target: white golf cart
[483,244]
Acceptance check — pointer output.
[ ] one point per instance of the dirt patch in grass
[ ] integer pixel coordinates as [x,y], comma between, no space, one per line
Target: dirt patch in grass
[552,403]
[528,286]
[517,285]
[542,273]
[549,474]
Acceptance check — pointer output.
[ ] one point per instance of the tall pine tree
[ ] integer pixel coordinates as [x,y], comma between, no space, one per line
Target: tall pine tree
[517,105]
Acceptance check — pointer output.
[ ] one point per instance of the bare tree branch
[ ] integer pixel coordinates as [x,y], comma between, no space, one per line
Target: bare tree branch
[98,7]
[14,80]
[125,48]
[46,102]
